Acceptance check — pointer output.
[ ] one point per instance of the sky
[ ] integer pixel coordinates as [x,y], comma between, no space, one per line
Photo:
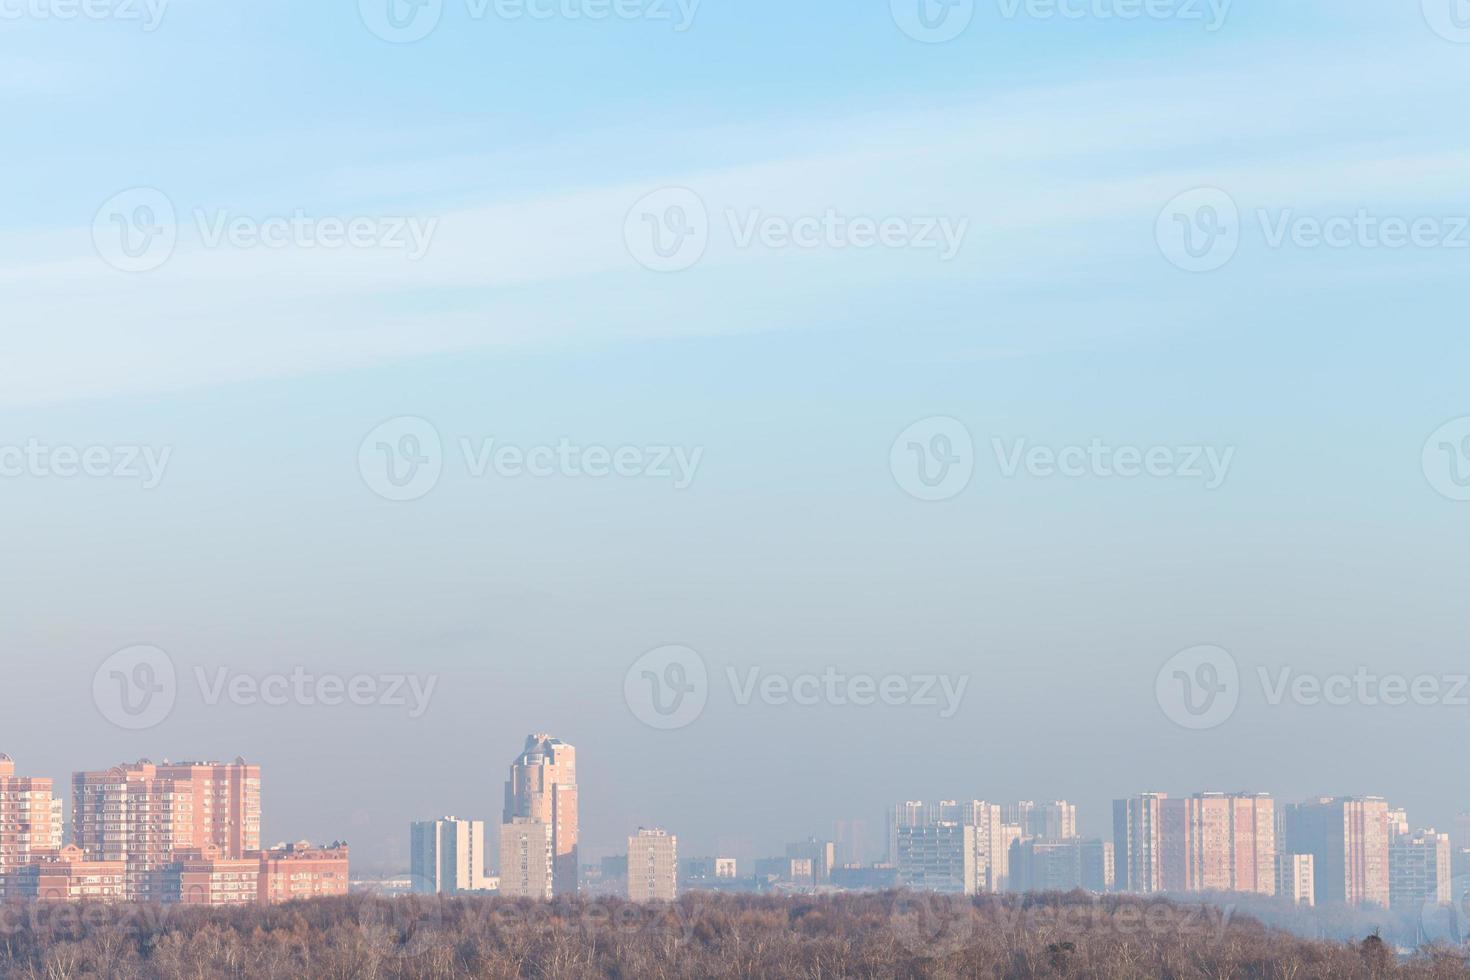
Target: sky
[871,302]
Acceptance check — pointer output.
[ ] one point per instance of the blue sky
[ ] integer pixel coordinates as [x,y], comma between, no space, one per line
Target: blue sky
[1059,143]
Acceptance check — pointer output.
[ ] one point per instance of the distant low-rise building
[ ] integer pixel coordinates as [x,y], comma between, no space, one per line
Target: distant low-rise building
[1294,879]
[821,853]
[206,876]
[301,871]
[1419,870]
[66,876]
[697,871]
[876,877]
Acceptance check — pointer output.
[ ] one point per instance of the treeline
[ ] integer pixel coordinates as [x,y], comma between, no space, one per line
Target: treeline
[703,936]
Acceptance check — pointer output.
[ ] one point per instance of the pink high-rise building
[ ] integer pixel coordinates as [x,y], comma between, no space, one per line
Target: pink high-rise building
[1218,842]
[1348,839]
[30,818]
[148,815]
[543,787]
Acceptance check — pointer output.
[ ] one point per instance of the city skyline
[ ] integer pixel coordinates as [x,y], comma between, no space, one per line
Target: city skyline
[979,244]
[1209,842]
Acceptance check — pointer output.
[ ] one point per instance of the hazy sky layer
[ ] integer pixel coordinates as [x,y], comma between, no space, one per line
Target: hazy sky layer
[788,373]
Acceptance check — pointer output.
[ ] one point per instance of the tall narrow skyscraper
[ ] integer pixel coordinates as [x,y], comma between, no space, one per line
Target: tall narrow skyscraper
[543,786]
[1138,844]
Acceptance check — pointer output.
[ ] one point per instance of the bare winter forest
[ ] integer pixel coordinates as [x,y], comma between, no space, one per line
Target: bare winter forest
[900,935]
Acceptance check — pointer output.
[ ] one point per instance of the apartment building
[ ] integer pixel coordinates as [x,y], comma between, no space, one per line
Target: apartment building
[303,871]
[147,815]
[30,818]
[653,866]
[1419,870]
[1348,839]
[543,786]
[447,856]
[527,859]
[65,876]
